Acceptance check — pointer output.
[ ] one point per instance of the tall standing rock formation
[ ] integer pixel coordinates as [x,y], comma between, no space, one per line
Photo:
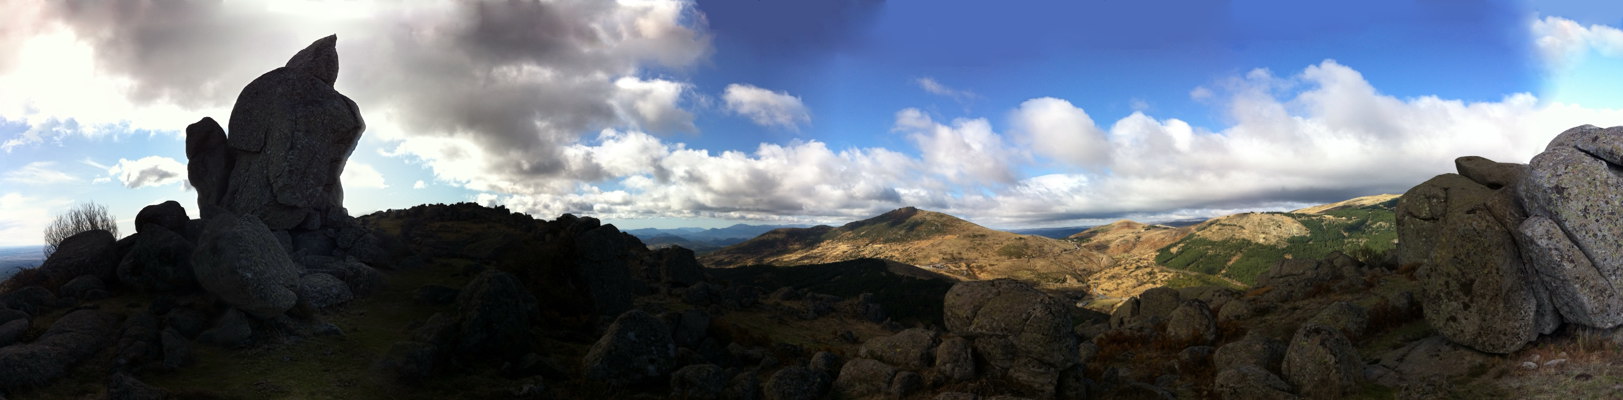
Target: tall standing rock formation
[291,135]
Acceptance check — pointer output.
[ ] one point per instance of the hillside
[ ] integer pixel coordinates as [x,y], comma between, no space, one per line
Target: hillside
[1243,245]
[702,240]
[1129,237]
[934,241]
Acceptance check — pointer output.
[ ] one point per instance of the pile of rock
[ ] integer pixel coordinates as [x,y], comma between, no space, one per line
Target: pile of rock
[1002,329]
[1511,251]
[273,237]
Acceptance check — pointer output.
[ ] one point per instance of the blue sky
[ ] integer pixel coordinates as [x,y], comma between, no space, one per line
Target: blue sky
[670,113]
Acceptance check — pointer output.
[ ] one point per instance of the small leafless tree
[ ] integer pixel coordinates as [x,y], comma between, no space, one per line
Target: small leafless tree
[81,218]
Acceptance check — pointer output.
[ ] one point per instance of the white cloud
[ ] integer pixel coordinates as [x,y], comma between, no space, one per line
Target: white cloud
[930,85]
[148,171]
[653,104]
[512,84]
[1321,135]
[1562,42]
[419,185]
[802,181]
[766,107]
[967,152]
[1059,130]
[38,173]
[362,175]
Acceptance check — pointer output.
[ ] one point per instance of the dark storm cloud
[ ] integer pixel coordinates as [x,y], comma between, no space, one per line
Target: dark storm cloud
[519,79]
[186,52]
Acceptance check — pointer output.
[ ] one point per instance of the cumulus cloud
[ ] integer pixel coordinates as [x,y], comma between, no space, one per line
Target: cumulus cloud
[1059,130]
[966,152]
[419,185]
[654,104]
[38,173]
[148,171]
[766,107]
[1320,135]
[1562,41]
[362,175]
[797,181]
[550,107]
[515,83]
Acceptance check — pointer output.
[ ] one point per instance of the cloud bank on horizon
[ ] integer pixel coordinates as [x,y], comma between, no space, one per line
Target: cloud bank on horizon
[641,111]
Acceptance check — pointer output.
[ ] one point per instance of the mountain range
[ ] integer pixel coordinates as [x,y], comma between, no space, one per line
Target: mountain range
[931,240]
[1114,260]
[701,239]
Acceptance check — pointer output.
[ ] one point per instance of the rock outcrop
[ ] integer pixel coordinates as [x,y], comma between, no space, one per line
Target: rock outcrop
[74,337]
[1509,251]
[1322,363]
[208,164]
[92,252]
[159,260]
[239,260]
[1574,193]
[1016,330]
[290,136]
[1476,289]
[637,348]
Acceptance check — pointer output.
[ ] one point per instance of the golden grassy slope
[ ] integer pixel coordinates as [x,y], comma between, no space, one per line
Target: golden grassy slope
[934,241]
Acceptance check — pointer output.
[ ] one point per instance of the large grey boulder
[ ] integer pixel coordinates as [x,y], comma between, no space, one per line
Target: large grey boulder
[238,259]
[863,378]
[671,267]
[92,252]
[208,164]
[1253,350]
[232,329]
[321,290]
[1125,313]
[494,313]
[1576,286]
[12,331]
[169,215]
[1572,192]
[954,359]
[909,349]
[1489,173]
[1322,363]
[1349,318]
[1192,321]
[82,287]
[73,338]
[637,348]
[1248,382]
[699,381]
[1159,302]
[795,383]
[1293,278]
[159,260]
[291,135]
[1021,332]
[605,258]
[1476,289]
